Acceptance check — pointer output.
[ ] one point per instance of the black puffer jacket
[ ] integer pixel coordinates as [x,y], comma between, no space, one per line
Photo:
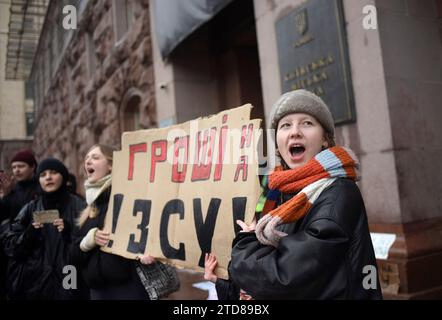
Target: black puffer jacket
[322,257]
[38,256]
[10,205]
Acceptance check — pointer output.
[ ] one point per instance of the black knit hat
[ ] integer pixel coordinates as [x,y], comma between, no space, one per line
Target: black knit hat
[53,164]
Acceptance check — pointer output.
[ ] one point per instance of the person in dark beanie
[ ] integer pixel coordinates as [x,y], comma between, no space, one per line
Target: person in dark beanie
[312,240]
[22,188]
[38,251]
[26,186]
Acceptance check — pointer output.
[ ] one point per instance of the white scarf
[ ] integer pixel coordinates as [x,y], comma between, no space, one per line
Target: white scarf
[94,189]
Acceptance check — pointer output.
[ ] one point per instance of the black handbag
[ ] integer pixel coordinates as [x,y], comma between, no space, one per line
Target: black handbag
[159,279]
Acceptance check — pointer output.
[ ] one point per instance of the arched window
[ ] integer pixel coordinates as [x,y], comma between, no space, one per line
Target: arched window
[130,115]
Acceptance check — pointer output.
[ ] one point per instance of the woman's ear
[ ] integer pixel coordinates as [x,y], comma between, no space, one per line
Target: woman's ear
[325,143]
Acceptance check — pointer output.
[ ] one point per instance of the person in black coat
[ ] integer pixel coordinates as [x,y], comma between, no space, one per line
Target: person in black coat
[312,241]
[109,276]
[18,191]
[39,252]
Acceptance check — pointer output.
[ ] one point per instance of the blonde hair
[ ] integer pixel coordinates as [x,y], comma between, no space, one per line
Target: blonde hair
[91,211]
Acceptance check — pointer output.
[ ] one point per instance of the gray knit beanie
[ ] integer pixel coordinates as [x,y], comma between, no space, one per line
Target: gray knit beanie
[302,101]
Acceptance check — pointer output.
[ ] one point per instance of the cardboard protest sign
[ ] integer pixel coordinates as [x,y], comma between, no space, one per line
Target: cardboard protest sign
[46,216]
[177,191]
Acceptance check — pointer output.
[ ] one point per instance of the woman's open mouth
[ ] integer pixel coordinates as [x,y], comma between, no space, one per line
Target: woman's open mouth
[296,152]
[90,171]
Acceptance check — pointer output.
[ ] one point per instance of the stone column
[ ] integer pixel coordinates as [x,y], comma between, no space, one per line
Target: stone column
[412,61]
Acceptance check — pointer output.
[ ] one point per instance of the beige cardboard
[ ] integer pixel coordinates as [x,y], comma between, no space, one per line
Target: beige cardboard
[46,216]
[181,232]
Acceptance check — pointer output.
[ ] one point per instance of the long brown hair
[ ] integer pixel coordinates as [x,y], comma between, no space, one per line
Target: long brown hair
[91,211]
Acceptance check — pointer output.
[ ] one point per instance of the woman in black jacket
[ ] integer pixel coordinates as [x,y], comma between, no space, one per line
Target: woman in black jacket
[110,277]
[312,241]
[39,252]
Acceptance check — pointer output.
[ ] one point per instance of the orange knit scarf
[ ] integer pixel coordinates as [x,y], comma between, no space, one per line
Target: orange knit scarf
[308,182]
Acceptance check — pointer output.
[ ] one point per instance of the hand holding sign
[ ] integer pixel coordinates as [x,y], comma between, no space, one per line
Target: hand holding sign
[146,259]
[59,224]
[37,225]
[245,227]
[101,238]
[210,264]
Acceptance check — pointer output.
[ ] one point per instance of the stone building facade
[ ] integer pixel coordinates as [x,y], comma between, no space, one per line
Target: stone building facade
[94,82]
